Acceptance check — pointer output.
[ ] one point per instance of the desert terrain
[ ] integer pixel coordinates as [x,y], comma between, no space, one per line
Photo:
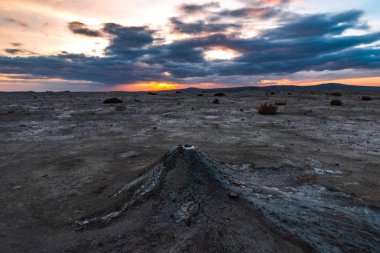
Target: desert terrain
[305,179]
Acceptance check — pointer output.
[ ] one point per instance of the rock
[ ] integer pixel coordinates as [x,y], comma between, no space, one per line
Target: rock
[366,98]
[113,101]
[336,102]
[130,154]
[215,101]
[233,195]
[120,108]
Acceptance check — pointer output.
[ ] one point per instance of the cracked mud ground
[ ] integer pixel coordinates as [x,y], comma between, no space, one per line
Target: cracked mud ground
[307,178]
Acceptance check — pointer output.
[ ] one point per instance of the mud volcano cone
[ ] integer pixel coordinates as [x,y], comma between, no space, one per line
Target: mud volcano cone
[185,203]
[183,179]
[189,202]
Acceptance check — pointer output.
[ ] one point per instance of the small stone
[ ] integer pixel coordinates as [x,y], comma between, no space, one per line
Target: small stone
[215,101]
[112,101]
[233,195]
[120,108]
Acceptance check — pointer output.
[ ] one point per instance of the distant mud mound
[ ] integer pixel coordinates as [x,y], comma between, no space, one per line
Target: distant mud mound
[191,202]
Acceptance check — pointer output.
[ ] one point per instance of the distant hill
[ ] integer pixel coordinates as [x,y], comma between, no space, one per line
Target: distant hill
[322,87]
[232,89]
[287,88]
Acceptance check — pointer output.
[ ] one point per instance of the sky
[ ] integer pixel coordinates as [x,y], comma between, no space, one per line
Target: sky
[134,45]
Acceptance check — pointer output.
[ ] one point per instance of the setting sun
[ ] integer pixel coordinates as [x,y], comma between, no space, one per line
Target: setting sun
[150,86]
[220,54]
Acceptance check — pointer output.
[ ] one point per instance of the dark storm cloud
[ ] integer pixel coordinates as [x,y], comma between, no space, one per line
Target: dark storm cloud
[260,12]
[80,67]
[318,25]
[80,28]
[128,41]
[200,26]
[194,8]
[134,54]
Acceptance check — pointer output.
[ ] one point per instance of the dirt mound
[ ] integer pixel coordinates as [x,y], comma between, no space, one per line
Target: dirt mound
[185,203]
[189,202]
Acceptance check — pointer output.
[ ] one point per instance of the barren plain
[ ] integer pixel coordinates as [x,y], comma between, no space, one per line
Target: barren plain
[305,179]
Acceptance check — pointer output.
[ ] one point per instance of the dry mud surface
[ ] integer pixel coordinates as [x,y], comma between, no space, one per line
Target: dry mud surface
[78,176]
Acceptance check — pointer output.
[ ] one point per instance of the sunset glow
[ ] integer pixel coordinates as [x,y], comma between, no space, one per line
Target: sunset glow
[151,86]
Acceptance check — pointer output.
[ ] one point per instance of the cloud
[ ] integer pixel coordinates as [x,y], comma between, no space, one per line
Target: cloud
[305,43]
[16,44]
[267,2]
[12,50]
[17,21]
[196,8]
[259,12]
[318,25]
[18,51]
[128,42]
[200,26]
[80,28]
